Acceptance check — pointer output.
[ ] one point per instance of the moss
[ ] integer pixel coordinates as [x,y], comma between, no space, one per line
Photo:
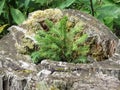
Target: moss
[54,88]
[32,24]
[24,72]
[62,69]
[26,45]
[1,72]
[44,86]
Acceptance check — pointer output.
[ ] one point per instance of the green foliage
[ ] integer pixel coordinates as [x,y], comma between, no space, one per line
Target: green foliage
[64,3]
[1,6]
[107,11]
[55,3]
[61,43]
[15,12]
[17,15]
[10,12]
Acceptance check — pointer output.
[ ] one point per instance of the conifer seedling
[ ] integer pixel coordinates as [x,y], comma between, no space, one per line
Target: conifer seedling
[61,43]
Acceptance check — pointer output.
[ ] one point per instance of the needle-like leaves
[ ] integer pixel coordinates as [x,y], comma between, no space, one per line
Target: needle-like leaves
[61,44]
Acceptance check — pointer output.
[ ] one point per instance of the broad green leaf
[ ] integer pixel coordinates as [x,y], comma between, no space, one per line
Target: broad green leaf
[66,3]
[26,3]
[42,2]
[117,20]
[2,28]
[109,21]
[116,1]
[18,3]
[109,10]
[1,6]
[107,2]
[17,15]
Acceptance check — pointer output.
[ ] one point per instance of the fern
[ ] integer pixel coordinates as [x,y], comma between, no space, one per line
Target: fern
[61,44]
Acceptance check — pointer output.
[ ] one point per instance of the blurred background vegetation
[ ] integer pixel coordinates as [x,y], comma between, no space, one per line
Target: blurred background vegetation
[16,11]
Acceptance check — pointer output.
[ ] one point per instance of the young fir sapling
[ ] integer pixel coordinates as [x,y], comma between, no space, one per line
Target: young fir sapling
[61,43]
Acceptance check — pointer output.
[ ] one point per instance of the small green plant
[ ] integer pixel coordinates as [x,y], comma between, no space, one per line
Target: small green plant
[61,43]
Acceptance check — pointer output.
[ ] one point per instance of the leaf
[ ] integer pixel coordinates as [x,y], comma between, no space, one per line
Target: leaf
[65,3]
[108,10]
[109,22]
[116,1]
[42,2]
[1,6]
[26,3]
[17,15]
[117,20]
[2,27]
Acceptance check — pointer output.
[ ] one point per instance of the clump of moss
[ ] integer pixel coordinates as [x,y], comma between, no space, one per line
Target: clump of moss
[44,86]
[25,46]
[61,41]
